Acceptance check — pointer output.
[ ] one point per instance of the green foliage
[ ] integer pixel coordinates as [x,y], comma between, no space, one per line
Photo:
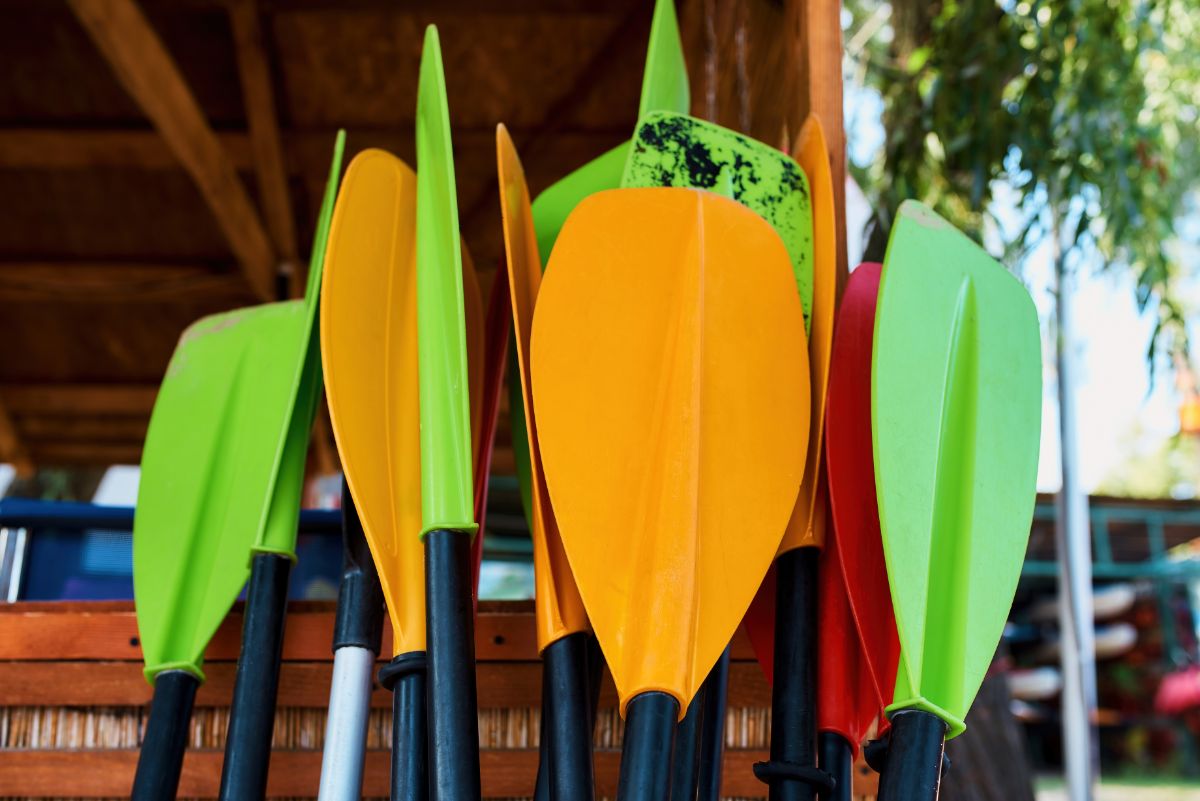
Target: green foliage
[1086,108]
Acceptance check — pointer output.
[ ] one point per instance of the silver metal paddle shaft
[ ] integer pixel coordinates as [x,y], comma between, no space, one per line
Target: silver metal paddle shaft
[346,728]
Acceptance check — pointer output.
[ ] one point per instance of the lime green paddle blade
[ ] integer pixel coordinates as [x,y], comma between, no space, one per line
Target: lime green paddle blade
[664,88]
[672,149]
[956,416]
[222,464]
[447,485]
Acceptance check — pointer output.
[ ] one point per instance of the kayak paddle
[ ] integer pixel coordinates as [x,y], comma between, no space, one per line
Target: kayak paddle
[859,649]
[956,415]
[252,711]
[219,502]
[369,345]
[672,149]
[357,633]
[562,624]
[668,366]
[664,88]
[447,508]
[782,621]
[712,733]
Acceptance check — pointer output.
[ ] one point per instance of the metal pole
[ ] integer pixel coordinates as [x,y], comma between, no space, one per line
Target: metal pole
[1072,541]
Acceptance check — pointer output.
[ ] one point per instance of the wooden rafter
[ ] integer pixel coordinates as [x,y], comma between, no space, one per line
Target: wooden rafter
[12,448]
[265,141]
[79,399]
[147,71]
[114,282]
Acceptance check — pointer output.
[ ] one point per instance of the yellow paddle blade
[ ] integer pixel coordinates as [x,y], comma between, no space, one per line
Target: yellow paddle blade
[807,525]
[369,351]
[559,607]
[670,384]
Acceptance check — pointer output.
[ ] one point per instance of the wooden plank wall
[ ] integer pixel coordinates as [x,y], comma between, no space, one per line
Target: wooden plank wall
[73,705]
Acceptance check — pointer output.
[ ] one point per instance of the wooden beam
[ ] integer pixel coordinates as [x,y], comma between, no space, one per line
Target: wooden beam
[259,100]
[816,30]
[150,75]
[306,153]
[12,448]
[41,429]
[505,773]
[99,454]
[79,399]
[115,282]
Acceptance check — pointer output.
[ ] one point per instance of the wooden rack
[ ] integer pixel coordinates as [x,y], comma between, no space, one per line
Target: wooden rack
[73,704]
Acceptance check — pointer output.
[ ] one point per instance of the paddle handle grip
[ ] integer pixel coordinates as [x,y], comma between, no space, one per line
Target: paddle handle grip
[453,706]
[836,757]
[650,720]
[567,734]
[359,621]
[405,676]
[252,713]
[712,735]
[793,697]
[914,760]
[685,755]
[161,759]
[346,725]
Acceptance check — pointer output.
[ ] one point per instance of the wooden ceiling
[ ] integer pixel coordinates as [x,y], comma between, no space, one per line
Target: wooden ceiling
[162,160]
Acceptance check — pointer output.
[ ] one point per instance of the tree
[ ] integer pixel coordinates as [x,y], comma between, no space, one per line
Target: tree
[1087,108]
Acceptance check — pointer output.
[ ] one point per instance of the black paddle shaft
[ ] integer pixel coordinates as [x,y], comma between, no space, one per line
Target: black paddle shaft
[837,759]
[405,676]
[650,720]
[685,756]
[568,735]
[359,621]
[252,713]
[793,698]
[914,760]
[161,759]
[453,705]
[712,734]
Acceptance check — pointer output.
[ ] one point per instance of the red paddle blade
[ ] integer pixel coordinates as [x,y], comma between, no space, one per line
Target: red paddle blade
[850,468]
[848,703]
[759,624]
[495,336]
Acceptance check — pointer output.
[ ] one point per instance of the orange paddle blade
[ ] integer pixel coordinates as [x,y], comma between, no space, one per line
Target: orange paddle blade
[369,352]
[670,384]
[807,524]
[559,607]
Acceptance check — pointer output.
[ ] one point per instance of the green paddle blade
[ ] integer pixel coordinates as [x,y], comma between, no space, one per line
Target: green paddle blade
[664,88]
[552,207]
[223,463]
[956,416]
[672,149]
[447,486]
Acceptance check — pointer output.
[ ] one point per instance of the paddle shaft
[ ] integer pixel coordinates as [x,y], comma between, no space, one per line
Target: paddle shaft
[567,733]
[793,697]
[595,675]
[161,759]
[685,756]
[837,759]
[252,713]
[712,736]
[346,726]
[650,720]
[452,702]
[357,632]
[406,676]
[914,760]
